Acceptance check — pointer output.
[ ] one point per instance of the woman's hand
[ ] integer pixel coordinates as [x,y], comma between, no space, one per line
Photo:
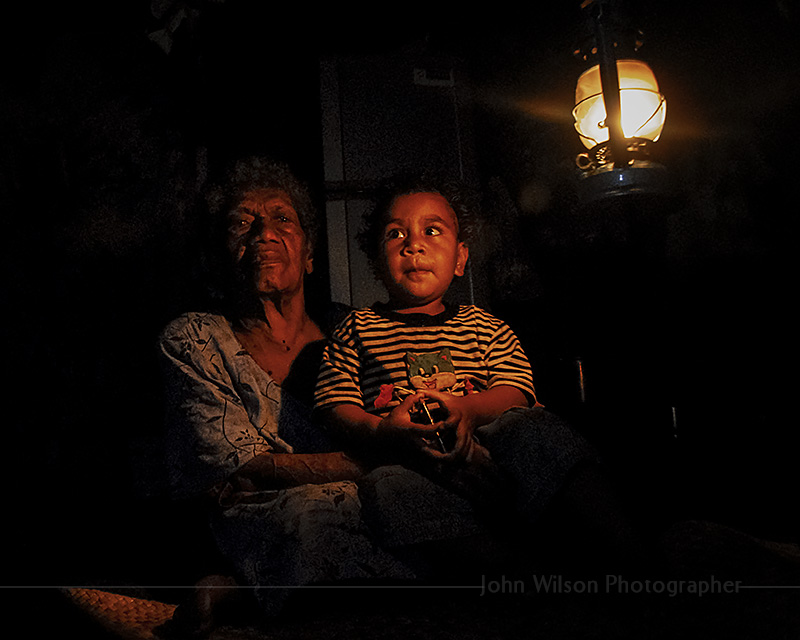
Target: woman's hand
[283,470]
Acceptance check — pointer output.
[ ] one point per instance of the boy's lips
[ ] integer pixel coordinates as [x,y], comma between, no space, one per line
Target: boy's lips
[418,267]
[415,273]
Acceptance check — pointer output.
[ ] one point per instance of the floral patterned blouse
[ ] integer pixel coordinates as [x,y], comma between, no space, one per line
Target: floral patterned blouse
[223,409]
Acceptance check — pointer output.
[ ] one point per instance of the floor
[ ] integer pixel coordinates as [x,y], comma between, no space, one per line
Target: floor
[726,584]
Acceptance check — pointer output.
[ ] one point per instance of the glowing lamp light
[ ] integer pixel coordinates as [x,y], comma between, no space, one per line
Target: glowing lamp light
[643,108]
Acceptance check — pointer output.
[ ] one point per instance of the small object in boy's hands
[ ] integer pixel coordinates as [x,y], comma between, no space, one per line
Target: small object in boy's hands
[427,411]
[430,419]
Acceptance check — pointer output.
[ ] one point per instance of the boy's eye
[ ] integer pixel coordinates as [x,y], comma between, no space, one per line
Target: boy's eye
[395,234]
[432,231]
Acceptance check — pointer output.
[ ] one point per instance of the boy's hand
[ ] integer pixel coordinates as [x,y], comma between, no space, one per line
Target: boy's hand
[397,425]
[459,418]
[465,413]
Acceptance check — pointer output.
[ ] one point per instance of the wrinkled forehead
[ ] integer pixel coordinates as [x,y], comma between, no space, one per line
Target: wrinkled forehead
[261,199]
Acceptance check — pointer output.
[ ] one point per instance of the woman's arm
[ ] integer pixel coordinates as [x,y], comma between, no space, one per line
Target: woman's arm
[283,470]
[211,437]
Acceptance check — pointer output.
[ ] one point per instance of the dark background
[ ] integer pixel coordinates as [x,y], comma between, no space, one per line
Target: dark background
[680,300]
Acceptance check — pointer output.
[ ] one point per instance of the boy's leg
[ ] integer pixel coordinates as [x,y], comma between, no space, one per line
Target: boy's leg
[429,527]
[562,491]
[537,450]
[403,508]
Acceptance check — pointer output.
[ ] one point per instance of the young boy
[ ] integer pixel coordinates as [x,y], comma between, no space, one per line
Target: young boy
[387,366]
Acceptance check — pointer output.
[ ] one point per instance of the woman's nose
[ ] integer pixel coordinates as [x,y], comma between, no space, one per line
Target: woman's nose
[264,230]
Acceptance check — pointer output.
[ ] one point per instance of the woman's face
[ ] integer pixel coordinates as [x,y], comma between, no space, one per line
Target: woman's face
[267,243]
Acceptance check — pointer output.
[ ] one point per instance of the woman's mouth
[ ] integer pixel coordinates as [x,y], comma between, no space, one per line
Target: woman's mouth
[263,258]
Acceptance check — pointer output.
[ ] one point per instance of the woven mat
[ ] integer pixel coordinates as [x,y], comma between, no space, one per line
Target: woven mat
[128,617]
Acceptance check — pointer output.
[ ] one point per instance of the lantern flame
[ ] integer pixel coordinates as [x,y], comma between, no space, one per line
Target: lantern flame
[643,108]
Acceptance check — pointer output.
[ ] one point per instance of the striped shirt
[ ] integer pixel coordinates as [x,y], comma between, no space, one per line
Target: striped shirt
[368,350]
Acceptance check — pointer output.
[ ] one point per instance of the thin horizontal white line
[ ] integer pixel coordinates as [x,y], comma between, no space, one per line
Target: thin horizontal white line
[162,586]
[769,586]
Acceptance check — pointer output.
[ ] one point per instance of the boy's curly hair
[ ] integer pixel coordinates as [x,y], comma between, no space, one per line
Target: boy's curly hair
[458,195]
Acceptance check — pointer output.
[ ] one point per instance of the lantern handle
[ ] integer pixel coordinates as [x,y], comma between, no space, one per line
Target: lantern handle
[609,83]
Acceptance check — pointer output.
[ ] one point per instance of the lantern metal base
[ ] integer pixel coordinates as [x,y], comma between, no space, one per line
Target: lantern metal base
[640,177]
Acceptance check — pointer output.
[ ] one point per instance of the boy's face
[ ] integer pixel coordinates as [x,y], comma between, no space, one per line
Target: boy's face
[421,251]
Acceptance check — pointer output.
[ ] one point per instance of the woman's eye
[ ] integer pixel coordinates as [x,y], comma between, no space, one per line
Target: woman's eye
[239,221]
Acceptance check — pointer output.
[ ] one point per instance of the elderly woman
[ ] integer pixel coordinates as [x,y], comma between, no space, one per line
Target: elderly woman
[283,506]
